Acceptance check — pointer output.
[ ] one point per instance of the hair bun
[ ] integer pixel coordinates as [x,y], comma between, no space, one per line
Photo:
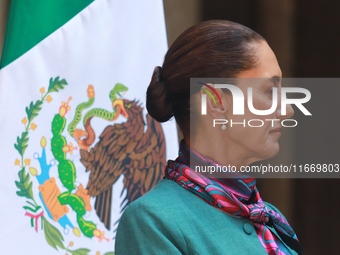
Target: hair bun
[157,102]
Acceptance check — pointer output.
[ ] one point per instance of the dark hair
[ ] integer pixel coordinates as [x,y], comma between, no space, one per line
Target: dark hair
[211,49]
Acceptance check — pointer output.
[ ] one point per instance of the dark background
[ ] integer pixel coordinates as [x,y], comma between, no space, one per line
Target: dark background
[304,35]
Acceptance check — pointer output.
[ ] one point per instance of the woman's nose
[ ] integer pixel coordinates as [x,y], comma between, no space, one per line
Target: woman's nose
[289,112]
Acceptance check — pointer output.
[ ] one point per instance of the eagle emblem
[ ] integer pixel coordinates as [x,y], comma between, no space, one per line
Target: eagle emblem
[58,201]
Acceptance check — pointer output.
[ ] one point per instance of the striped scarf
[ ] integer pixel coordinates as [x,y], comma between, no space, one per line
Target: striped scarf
[236,195]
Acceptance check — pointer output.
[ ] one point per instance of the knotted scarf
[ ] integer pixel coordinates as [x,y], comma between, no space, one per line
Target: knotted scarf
[237,195]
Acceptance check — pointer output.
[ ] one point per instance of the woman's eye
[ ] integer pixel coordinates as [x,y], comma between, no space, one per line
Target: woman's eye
[270,91]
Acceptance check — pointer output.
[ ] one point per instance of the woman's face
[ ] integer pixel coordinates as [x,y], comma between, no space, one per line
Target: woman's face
[258,142]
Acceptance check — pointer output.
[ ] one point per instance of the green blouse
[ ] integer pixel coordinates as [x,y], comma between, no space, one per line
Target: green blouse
[171,220]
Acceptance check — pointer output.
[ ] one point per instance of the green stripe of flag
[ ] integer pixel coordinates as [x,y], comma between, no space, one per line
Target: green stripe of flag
[31,21]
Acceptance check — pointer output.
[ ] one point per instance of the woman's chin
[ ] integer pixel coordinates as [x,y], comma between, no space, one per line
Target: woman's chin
[274,150]
[271,151]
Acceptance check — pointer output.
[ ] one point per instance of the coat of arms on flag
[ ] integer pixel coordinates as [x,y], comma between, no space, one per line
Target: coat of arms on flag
[76,139]
[123,148]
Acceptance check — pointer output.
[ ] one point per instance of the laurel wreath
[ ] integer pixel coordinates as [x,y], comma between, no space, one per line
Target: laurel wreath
[52,234]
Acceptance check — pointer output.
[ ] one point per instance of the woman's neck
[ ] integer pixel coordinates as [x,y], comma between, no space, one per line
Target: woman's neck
[226,154]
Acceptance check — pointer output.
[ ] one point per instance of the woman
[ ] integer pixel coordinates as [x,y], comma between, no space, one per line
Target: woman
[188,212]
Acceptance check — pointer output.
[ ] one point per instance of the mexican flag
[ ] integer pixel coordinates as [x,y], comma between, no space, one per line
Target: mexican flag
[77,144]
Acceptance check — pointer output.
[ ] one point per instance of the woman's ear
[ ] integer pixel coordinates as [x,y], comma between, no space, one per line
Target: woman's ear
[216,101]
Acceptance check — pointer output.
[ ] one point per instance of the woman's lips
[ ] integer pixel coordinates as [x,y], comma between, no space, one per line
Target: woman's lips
[276,131]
